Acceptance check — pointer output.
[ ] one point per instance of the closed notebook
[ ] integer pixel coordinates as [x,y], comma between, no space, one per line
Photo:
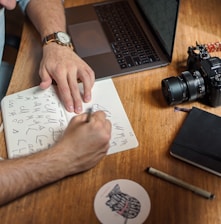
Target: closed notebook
[199,141]
[35,119]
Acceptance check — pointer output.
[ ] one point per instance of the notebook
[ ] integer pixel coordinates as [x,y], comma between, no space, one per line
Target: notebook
[198,142]
[35,119]
[124,36]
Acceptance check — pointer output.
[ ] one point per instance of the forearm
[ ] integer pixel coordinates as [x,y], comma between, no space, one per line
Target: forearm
[47,16]
[23,175]
[81,147]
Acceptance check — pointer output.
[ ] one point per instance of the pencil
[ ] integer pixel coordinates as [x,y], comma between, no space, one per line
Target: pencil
[180,183]
[89,112]
[1,123]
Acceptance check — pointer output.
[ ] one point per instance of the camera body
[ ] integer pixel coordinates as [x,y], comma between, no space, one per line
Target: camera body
[201,80]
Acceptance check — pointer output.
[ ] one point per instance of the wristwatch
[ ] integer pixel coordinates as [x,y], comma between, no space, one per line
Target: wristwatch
[60,38]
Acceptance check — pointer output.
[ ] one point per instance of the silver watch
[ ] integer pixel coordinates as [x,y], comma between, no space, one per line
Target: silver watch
[60,38]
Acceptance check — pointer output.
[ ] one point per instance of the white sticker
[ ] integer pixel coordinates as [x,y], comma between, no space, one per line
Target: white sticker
[122,202]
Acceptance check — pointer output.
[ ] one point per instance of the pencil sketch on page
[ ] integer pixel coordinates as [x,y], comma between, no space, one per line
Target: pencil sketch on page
[35,119]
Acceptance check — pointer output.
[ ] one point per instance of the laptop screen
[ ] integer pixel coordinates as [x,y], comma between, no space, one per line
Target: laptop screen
[162,16]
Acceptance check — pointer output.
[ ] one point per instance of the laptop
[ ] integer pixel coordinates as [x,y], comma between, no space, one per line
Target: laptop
[118,37]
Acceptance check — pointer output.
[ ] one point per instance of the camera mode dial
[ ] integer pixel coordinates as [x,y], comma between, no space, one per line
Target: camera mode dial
[217,78]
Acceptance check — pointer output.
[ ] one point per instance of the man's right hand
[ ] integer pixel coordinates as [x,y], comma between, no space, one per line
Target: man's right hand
[84,144]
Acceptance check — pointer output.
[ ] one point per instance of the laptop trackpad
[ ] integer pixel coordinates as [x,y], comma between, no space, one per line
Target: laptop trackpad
[89,39]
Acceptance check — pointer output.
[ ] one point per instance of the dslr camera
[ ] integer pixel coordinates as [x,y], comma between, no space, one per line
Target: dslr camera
[201,80]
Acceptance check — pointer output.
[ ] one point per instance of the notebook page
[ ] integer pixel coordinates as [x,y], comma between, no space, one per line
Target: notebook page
[106,98]
[34,119]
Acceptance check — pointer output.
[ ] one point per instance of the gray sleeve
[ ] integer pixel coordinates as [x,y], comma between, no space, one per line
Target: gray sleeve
[23,4]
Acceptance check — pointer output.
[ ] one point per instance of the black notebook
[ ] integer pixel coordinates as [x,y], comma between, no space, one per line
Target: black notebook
[199,141]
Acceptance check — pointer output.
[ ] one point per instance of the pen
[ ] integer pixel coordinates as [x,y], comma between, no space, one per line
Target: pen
[89,112]
[180,183]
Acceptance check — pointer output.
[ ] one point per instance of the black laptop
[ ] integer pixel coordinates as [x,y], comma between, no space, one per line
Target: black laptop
[124,36]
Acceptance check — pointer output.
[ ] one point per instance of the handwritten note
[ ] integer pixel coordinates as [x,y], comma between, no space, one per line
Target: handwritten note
[35,119]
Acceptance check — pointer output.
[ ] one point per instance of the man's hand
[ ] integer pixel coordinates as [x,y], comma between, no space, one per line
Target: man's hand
[84,144]
[81,147]
[66,68]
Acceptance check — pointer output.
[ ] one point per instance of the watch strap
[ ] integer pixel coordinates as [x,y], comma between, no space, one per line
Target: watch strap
[49,38]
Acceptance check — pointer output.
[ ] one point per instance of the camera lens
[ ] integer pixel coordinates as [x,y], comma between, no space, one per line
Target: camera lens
[186,87]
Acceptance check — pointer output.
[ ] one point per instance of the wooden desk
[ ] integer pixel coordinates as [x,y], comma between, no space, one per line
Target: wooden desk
[70,201]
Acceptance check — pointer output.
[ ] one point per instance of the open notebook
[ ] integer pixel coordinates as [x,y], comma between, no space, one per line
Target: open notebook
[34,119]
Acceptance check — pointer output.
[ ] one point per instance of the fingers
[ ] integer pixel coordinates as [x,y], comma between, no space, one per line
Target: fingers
[100,116]
[95,116]
[70,93]
[97,120]
[45,80]
[88,82]
[86,143]
[67,69]
[68,88]
[63,87]
[87,77]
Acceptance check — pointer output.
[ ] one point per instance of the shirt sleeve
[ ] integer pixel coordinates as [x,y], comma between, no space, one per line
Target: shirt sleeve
[23,4]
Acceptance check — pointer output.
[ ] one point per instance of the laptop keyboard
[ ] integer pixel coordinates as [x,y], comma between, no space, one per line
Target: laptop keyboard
[128,42]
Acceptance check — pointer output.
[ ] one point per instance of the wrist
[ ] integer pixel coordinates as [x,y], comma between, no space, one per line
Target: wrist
[60,38]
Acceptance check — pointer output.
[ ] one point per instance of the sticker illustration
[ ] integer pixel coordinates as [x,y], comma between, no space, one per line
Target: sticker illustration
[122,202]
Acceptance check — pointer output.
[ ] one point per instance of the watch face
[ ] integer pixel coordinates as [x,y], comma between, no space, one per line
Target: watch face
[63,37]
